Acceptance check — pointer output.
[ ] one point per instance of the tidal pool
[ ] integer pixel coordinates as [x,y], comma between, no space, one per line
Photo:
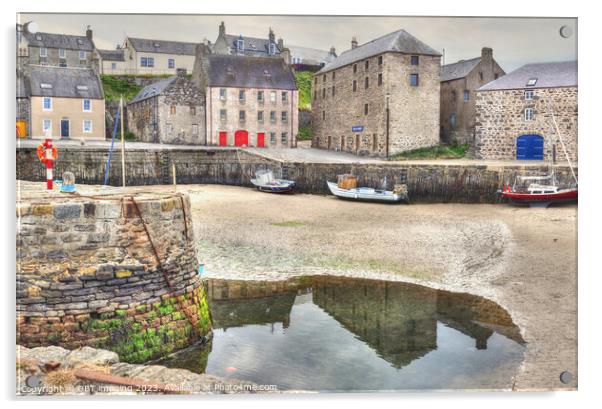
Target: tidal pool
[341,334]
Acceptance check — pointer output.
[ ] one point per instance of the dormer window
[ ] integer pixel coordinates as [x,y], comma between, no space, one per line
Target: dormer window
[531,82]
[39,37]
[80,41]
[230,72]
[82,87]
[240,45]
[272,48]
[45,85]
[157,45]
[266,74]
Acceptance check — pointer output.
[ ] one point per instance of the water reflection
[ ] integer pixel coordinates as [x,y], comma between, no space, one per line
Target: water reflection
[334,333]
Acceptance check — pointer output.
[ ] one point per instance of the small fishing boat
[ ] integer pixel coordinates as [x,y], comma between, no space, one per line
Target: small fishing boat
[265,182]
[346,188]
[542,191]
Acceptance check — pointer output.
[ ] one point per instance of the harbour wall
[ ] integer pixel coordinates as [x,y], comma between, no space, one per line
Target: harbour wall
[114,272]
[427,183]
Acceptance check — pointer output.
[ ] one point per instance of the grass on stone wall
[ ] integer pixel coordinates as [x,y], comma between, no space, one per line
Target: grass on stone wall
[305,134]
[303,79]
[455,151]
[114,87]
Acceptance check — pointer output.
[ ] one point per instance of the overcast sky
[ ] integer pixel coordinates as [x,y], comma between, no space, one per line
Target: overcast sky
[515,41]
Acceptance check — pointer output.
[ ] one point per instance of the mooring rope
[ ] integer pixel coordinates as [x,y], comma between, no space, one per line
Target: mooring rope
[163,271]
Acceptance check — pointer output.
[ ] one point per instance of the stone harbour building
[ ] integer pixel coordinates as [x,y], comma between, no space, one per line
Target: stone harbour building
[250,101]
[170,111]
[459,81]
[514,113]
[379,98]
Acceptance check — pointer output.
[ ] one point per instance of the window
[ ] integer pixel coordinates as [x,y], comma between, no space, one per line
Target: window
[172,109]
[47,104]
[62,53]
[496,76]
[195,129]
[284,116]
[272,48]
[150,62]
[223,114]
[380,60]
[480,76]
[82,56]
[414,60]
[222,94]
[453,95]
[354,68]
[273,117]
[272,137]
[171,63]
[241,95]
[47,125]
[452,120]
[366,83]
[168,129]
[272,96]
[284,96]
[323,115]
[260,116]
[354,85]
[324,78]
[87,105]
[365,109]
[260,96]
[316,81]
[529,95]
[367,65]
[414,80]
[466,95]
[323,93]
[242,116]
[315,94]
[63,63]
[192,111]
[43,52]
[87,126]
[528,114]
[113,65]
[333,75]
[45,85]
[284,138]
[380,79]
[333,90]
[374,142]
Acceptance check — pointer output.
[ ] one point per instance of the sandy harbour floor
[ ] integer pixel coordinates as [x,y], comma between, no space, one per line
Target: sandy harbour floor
[524,259]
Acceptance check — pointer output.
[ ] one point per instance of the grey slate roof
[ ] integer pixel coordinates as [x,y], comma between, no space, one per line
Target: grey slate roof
[66,41]
[162,46]
[253,46]
[248,72]
[458,69]
[112,55]
[153,89]
[64,82]
[549,75]
[398,41]
[311,55]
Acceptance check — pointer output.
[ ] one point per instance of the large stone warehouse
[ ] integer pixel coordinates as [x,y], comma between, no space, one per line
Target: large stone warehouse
[514,113]
[379,98]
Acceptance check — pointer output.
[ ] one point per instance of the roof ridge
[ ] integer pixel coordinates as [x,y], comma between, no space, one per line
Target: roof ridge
[461,61]
[151,39]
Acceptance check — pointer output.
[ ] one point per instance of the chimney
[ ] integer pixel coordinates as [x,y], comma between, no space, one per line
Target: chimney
[271,36]
[333,51]
[353,43]
[281,44]
[222,29]
[181,72]
[199,75]
[486,54]
[89,33]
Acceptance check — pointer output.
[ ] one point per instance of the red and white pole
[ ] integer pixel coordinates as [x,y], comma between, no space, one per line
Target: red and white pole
[49,160]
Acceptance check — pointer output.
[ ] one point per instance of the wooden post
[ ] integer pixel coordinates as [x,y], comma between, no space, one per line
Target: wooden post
[122,141]
[173,173]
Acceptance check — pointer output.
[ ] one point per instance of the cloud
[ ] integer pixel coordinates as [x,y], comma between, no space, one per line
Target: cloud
[515,41]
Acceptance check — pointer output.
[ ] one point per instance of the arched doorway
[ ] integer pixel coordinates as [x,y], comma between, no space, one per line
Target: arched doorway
[241,138]
[529,147]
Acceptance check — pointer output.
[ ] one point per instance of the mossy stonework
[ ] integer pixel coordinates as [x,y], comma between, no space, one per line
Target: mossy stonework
[87,274]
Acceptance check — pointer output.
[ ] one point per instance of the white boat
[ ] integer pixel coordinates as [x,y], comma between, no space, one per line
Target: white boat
[369,194]
[265,182]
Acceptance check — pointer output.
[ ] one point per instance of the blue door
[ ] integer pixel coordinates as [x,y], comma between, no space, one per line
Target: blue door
[64,128]
[529,147]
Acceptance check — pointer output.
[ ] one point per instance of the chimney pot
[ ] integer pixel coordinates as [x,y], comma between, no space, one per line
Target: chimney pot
[353,43]
[89,33]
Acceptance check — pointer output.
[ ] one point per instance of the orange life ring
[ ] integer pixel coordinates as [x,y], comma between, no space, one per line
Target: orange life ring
[42,153]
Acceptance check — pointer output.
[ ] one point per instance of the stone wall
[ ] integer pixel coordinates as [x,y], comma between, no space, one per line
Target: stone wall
[414,110]
[427,183]
[87,274]
[501,119]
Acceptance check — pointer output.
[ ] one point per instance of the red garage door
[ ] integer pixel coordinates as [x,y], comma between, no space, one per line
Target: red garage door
[241,138]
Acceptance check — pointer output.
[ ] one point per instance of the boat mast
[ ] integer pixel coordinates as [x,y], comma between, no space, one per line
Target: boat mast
[566,155]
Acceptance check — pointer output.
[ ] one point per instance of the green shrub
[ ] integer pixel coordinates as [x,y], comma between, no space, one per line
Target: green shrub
[303,80]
